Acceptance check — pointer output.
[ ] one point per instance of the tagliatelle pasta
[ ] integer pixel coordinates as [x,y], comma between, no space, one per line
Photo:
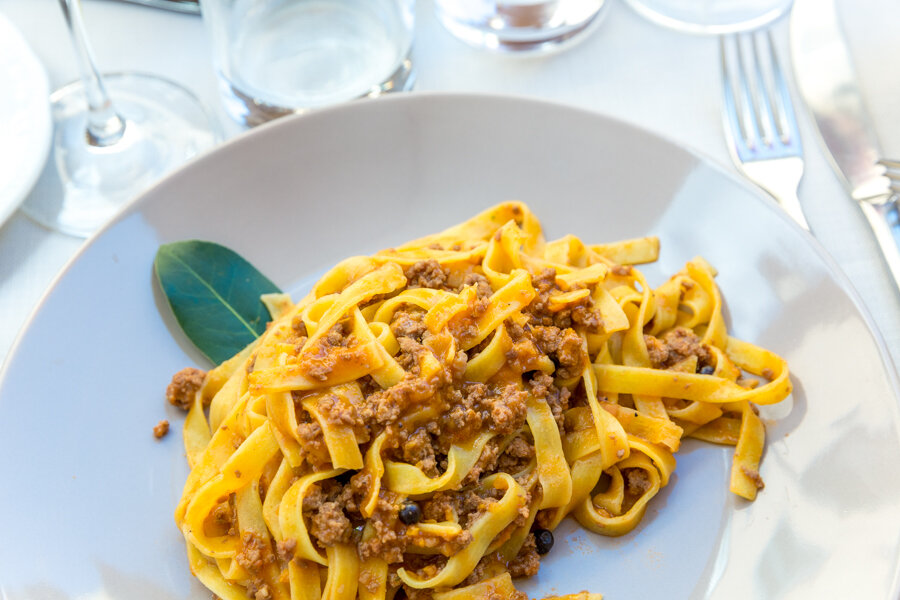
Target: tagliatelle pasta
[418,424]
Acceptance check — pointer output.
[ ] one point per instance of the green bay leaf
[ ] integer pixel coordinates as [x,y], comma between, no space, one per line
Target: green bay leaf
[214,294]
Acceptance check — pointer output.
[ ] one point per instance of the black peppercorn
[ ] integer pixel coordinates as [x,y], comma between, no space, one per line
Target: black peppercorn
[410,513]
[543,540]
[707,370]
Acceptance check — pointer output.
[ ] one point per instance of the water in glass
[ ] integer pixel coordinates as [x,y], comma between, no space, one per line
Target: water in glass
[280,56]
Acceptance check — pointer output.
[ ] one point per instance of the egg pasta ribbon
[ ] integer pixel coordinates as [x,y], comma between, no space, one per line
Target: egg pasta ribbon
[418,423]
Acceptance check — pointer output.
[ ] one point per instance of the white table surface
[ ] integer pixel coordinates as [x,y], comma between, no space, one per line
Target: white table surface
[628,68]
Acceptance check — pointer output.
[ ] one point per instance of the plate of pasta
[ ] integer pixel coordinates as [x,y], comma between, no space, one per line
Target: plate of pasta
[506,364]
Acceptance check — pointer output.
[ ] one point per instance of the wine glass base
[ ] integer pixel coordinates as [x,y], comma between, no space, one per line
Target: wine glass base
[83,186]
[516,27]
[711,18]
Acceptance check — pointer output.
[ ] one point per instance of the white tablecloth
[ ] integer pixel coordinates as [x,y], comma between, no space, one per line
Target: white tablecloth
[628,68]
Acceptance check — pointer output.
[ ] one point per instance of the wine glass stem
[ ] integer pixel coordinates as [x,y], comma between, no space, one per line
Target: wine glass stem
[104,125]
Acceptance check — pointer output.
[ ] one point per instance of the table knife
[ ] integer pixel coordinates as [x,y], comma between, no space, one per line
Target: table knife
[182,6]
[823,70]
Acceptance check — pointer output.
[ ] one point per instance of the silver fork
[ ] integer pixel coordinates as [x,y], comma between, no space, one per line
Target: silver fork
[892,172]
[759,119]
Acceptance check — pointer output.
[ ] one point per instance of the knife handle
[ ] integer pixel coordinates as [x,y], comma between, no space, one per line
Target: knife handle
[883,219]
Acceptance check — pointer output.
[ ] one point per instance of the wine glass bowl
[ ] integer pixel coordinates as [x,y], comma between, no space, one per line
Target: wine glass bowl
[164,126]
[711,17]
[519,26]
[114,136]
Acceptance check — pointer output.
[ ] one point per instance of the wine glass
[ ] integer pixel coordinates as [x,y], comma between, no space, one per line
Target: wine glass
[519,26]
[711,16]
[114,136]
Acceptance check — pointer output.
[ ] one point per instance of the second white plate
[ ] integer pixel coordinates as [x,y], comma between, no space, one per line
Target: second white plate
[25,120]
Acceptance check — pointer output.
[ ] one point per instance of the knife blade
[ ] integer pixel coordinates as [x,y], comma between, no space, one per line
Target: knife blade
[183,6]
[823,70]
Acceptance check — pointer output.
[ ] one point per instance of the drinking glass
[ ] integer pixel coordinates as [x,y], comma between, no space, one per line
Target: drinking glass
[114,136]
[526,26]
[711,16]
[277,57]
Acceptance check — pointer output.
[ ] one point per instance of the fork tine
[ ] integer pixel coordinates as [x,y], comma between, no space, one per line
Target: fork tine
[734,124]
[746,104]
[891,168]
[760,125]
[784,108]
[762,96]
[892,172]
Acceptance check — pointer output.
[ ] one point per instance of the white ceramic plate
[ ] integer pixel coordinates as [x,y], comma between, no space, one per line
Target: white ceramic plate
[88,494]
[25,123]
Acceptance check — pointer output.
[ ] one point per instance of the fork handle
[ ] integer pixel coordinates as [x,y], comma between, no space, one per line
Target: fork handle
[791,205]
[781,178]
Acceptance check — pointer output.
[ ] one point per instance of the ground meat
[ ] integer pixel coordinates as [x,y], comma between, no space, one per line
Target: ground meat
[465,325]
[335,336]
[255,553]
[390,539]
[517,455]
[527,561]
[483,287]
[286,548]
[466,504]
[411,355]
[426,274]
[476,405]
[483,570]
[312,443]
[408,323]
[418,450]
[161,429]
[299,326]
[755,477]
[544,284]
[582,313]
[675,346]
[543,388]
[339,411]
[439,507]
[471,506]
[185,384]
[329,525]
[564,346]
[386,406]
[508,410]
[314,498]
[257,589]
[637,482]
[457,369]
[368,386]
[486,463]
[586,317]
[320,360]
[489,566]
[221,520]
[548,338]
[524,354]
[571,355]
